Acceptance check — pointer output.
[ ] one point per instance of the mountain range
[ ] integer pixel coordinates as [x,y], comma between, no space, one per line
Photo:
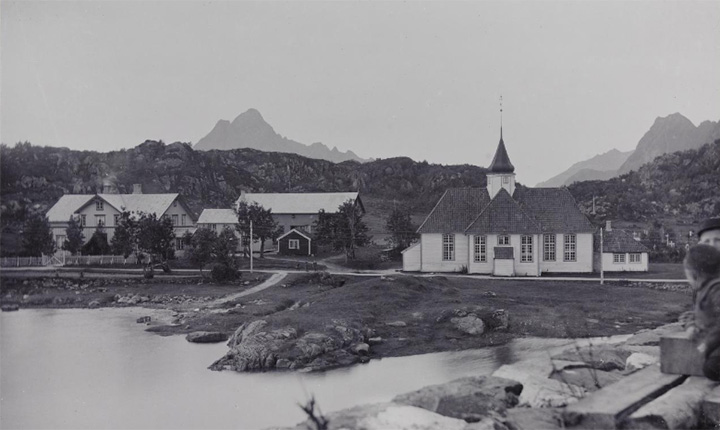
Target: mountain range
[250,130]
[666,135]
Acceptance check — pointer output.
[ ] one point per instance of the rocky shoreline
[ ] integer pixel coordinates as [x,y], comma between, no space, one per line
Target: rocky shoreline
[528,394]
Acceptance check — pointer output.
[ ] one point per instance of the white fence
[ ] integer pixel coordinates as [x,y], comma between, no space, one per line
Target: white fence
[67,260]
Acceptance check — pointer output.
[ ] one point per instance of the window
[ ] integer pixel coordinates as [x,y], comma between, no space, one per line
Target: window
[570,243]
[83,220]
[179,244]
[505,180]
[480,249]
[294,244]
[503,239]
[100,220]
[526,249]
[60,241]
[99,205]
[183,219]
[548,247]
[175,220]
[213,227]
[618,258]
[636,258]
[116,219]
[175,204]
[448,247]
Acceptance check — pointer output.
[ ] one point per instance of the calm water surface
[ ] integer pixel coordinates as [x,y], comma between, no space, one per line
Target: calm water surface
[66,368]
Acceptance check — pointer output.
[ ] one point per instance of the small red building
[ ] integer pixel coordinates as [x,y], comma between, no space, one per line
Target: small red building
[296,242]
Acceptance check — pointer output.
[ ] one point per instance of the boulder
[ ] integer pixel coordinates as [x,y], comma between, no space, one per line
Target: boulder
[639,360]
[588,378]
[469,324]
[361,348]
[652,337]
[470,398]
[539,391]
[498,320]
[252,348]
[206,337]
[600,357]
[94,304]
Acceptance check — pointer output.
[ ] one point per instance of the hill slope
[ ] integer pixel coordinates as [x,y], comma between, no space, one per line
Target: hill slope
[249,130]
[601,166]
[680,185]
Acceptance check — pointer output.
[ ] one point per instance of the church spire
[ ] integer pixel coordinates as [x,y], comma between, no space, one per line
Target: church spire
[501,118]
[501,162]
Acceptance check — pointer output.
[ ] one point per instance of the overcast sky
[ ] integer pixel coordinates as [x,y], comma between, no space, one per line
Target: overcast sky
[420,79]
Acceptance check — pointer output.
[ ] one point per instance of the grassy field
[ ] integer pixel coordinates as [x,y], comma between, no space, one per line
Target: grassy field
[538,308]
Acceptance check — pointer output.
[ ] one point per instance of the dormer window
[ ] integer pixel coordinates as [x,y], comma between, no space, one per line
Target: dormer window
[99,205]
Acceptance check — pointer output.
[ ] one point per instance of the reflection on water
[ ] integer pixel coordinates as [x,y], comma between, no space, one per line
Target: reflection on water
[99,369]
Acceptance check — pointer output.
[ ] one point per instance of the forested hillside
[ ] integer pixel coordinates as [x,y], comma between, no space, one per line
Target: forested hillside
[682,185]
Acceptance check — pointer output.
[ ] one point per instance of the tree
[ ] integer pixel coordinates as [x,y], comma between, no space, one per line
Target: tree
[225,247]
[98,244]
[37,237]
[343,230]
[264,227]
[202,246]
[74,237]
[124,241]
[401,228]
[155,236]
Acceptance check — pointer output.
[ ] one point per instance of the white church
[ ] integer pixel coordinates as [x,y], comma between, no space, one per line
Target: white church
[502,230]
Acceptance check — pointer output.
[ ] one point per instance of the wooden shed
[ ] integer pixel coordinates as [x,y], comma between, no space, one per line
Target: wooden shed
[296,242]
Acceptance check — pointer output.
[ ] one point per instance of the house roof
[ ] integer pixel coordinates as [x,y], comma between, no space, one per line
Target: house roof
[296,231]
[218,216]
[553,209]
[68,205]
[455,210]
[618,241]
[300,203]
[501,161]
[503,215]
[133,203]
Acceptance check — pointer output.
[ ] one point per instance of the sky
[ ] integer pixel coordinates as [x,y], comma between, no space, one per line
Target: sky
[383,79]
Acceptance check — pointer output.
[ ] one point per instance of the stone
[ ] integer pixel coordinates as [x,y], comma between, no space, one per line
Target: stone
[652,337]
[498,320]
[470,398]
[607,408]
[679,408]
[94,304]
[375,340]
[600,357]
[679,355]
[533,418]
[283,363]
[361,348]
[143,320]
[10,307]
[396,324]
[469,324]
[639,360]
[206,337]
[252,348]
[588,378]
[539,391]
[710,409]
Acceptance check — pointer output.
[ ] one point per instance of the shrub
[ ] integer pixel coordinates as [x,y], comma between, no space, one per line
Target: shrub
[223,273]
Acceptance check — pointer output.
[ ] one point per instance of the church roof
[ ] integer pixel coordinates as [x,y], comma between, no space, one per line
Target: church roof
[503,215]
[553,209]
[618,241]
[501,162]
[455,210]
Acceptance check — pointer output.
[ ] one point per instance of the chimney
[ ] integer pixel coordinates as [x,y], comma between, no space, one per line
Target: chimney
[608,225]
[137,189]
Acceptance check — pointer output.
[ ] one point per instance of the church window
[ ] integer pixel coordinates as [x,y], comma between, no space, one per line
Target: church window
[448,247]
[504,239]
[570,242]
[526,249]
[548,247]
[635,258]
[618,258]
[480,249]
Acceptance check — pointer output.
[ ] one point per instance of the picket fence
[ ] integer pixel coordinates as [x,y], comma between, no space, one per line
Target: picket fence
[66,260]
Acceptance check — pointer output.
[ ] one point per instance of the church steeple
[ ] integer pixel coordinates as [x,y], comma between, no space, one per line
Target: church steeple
[501,173]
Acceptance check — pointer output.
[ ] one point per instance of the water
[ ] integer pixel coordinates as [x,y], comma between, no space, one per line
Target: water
[65,368]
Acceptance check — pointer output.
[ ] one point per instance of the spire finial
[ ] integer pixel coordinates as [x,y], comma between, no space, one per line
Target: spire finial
[501,108]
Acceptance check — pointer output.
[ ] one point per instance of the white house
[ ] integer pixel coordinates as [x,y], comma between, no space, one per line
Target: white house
[621,252]
[503,230]
[104,210]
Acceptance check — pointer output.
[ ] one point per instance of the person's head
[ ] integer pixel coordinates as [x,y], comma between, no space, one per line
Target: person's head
[702,262]
[709,232]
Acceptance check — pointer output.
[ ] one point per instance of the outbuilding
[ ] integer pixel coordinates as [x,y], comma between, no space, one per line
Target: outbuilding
[620,252]
[296,242]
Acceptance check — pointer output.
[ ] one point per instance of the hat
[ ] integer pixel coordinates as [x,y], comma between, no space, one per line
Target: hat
[709,224]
